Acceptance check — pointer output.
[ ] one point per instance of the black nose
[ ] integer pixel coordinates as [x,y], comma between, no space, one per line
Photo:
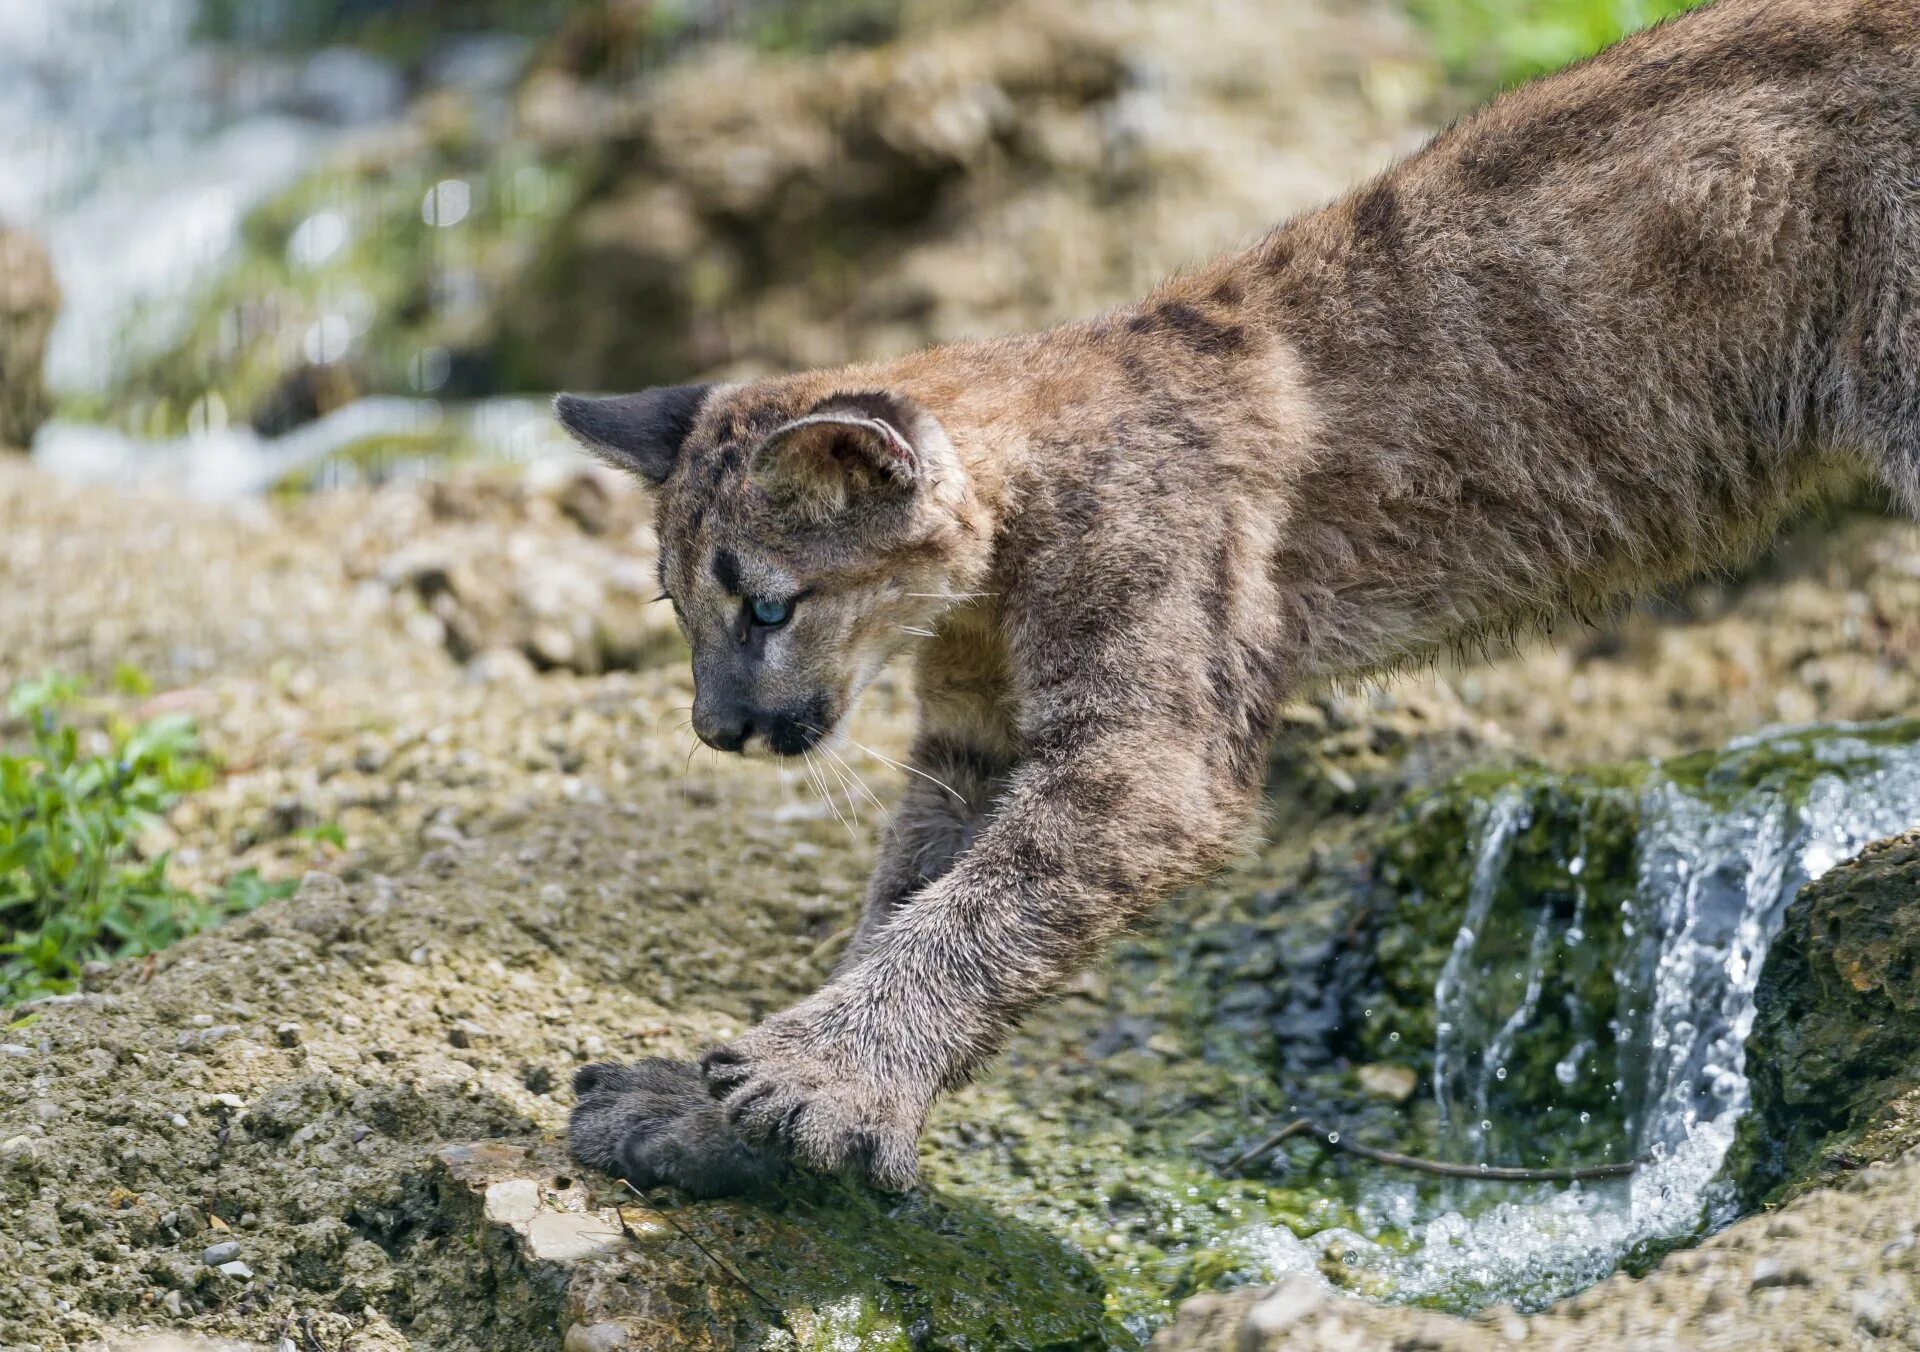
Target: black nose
[724,732]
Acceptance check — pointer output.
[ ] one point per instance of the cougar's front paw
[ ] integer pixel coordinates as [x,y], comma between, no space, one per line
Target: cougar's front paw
[654,1122]
[780,1090]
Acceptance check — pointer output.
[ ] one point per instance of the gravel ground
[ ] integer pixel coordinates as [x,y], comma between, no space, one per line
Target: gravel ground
[538,873]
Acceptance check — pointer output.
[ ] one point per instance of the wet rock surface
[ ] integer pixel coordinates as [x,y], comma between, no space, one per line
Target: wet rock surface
[1836,1045]
[1834,1268]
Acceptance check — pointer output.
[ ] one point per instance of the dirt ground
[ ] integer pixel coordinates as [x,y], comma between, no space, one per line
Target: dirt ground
[538,871]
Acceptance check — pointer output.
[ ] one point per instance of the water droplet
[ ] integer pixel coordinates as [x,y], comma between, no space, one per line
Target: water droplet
[1485,1125]
[1585,1118]
[1500,1074]
[447,203]
[1333,1138]
[1393,1037]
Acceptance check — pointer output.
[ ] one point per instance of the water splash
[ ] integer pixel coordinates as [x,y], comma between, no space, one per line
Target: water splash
[1722,848]
[134,151]
[1505,817]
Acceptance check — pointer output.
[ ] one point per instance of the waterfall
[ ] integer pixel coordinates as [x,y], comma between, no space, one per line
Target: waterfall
[134,152]
[1720,857]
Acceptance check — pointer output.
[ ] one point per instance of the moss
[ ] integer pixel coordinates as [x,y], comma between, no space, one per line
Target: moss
[932,1269]
[1556,916]
[1788,763]
[343,286]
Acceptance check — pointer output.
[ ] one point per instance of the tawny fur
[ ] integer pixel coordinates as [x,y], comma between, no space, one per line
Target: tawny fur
[1610,330]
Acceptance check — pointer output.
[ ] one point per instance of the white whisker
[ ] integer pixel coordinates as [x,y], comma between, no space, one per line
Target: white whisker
[958,797]
[854,775]
[820,783]
[853,808]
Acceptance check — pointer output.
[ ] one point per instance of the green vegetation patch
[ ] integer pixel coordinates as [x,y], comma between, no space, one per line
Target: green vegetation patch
[75,888]
[1487,45]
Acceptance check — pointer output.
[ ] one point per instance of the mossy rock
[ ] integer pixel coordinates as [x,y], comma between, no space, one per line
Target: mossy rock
[1834,1060]
[1549,939]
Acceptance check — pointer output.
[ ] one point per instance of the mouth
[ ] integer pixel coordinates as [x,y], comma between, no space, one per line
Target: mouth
[781,732]
[793,738]
[785,739]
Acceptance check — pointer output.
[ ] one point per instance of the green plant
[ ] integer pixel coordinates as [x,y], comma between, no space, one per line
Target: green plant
[1485,45]
[73,888]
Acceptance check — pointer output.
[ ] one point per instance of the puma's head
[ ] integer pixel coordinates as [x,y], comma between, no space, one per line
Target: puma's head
[806,532]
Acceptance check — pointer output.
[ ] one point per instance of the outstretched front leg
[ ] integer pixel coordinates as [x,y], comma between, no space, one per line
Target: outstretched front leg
[655,1121]
[1111,809]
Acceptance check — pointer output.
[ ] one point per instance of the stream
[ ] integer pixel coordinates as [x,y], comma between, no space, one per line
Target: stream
[1722,846]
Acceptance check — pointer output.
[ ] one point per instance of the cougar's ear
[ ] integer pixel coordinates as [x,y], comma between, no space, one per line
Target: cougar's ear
[639,432]
[846,449]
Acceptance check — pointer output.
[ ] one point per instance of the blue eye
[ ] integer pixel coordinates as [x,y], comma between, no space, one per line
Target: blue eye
[771,614]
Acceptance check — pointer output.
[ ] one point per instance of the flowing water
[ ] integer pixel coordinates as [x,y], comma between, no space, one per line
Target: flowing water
[1721,854]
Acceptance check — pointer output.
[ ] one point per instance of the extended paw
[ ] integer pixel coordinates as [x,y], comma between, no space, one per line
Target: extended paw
[655,1122]
[777,1092]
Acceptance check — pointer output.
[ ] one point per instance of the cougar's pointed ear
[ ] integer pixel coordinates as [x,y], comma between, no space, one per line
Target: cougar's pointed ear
[639,432]
[845,449]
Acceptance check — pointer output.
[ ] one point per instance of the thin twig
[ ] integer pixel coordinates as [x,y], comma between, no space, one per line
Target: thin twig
[779,1315]
[1491,1173]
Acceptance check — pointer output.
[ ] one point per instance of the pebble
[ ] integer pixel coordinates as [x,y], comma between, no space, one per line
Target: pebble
[237,1270]
[317,886]
[1772,1272]
[224,1252]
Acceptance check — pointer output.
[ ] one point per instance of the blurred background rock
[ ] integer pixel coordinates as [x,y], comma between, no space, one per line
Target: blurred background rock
[263,212]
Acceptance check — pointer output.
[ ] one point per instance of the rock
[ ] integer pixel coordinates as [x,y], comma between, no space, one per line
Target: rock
[237,1270]
[29,299]
[224,1252]
[1834,1059]
[319,888]
[1392,1083]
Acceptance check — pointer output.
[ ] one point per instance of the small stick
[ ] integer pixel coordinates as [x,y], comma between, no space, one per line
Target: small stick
[779,1315]
[1493,1173]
